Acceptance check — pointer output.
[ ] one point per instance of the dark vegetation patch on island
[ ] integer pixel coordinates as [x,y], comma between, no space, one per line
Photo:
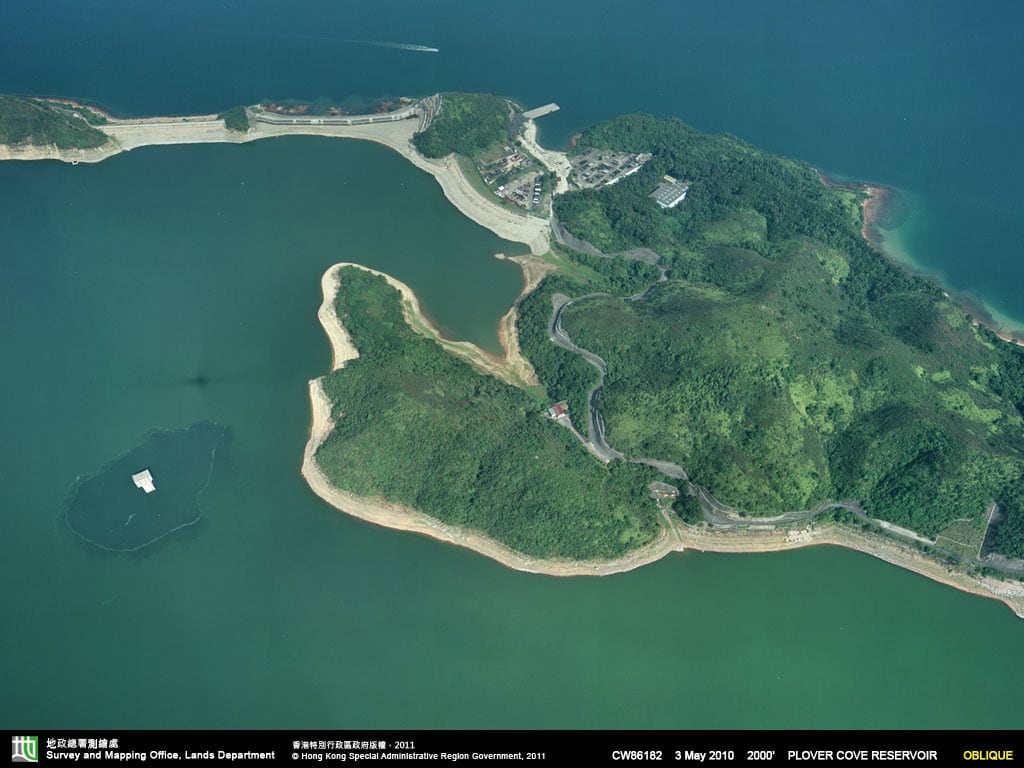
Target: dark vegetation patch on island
[420,427]
[467,124]
[784,362]
[36,122]
[235,119]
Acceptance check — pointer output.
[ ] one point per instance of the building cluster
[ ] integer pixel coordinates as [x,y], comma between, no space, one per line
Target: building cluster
[513,176]
[525,190]
[144,480]
[511,161]
[602,167]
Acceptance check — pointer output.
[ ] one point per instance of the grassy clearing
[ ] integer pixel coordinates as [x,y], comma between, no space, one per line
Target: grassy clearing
[963,537]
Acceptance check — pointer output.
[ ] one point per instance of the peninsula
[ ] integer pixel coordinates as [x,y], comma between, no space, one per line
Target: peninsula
[708,354]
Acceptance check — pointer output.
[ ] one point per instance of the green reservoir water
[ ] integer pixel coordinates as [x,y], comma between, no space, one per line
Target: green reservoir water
[171,286]
[179,284]
[109,512]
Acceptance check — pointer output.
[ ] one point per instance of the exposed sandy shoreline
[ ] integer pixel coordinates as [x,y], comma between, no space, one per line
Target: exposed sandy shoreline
[872,207]
[707,539]
[701,537]
[129,134]
[558,162]
[514,368]
[382,512]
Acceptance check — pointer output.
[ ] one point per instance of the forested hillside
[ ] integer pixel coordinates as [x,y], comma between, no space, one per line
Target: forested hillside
[786,362]
[467,124]
[418,426]
[43,123]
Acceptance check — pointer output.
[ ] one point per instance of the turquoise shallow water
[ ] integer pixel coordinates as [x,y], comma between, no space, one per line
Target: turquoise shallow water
[173,285]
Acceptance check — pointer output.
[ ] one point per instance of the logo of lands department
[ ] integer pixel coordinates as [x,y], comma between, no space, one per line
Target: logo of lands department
[24,749]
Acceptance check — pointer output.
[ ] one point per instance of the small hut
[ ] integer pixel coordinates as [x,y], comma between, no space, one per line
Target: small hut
[144,480]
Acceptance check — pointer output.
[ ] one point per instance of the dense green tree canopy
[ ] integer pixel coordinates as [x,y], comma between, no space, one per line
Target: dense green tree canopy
[235,119]
[467,124]
[420,427]
[43,123]
[785,361]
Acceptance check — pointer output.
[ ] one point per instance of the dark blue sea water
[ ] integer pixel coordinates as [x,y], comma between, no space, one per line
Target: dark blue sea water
[172,285]
[921,95]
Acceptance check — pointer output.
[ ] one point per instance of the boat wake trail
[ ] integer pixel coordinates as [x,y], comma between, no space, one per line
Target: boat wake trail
[398,46]
[377,43]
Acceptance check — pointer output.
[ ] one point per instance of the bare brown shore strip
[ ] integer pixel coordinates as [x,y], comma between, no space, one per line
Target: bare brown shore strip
[700,537]
[872,208]
[514,368]
[385,513]
[127,134]
[707,539]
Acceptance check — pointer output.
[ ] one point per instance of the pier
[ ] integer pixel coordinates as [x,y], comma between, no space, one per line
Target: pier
[547,109]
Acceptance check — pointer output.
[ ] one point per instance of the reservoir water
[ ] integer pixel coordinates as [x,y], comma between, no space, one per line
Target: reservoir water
[168,286]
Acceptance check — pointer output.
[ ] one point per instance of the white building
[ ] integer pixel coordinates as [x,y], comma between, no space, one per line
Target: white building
[144,480]
[670,195]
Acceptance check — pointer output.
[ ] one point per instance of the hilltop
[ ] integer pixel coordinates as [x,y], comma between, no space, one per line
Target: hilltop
[784,361]
[747,341]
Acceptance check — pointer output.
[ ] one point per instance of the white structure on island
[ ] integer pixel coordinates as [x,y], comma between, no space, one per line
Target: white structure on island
[144,480]
[670,193]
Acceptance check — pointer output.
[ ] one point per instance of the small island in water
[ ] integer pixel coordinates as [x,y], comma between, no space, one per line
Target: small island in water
[709,354]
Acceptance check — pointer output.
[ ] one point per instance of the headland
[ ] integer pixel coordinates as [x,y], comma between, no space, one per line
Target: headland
[673,536]
[397,133]
[382,512]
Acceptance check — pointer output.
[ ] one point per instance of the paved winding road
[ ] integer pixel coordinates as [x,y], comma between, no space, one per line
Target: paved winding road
[595,443]
[715,512]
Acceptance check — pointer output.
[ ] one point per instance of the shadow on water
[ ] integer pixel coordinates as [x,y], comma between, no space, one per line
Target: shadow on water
[109,511]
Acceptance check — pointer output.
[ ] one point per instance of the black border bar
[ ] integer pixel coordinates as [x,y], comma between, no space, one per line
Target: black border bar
[588,748]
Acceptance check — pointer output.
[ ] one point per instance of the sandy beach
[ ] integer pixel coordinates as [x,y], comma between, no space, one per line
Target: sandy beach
[558,162]
[872,207]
